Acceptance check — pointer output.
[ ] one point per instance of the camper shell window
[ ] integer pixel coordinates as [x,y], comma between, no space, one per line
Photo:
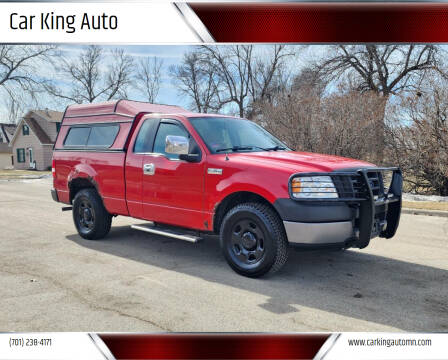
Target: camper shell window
[91,136]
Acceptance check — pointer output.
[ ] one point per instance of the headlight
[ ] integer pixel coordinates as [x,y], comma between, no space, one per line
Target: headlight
[313,187]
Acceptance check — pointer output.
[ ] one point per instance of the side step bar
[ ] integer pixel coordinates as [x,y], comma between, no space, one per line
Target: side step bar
[166,232]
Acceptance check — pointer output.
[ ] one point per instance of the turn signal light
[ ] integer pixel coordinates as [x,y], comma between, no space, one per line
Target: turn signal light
[53,168]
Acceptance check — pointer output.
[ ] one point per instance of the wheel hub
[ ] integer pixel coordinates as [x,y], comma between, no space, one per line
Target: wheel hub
[87,214]
[249,241]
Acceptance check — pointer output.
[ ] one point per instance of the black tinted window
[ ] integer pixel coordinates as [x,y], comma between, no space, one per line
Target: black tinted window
[77,136]
[103,135]
[166,129]
[143,143]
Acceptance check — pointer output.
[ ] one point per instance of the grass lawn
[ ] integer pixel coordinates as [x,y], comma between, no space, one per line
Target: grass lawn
[21,174]
[426,205]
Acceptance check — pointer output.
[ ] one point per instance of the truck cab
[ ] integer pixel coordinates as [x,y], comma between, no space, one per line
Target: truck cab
[190,174]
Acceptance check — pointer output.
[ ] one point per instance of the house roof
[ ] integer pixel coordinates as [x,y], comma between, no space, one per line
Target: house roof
[8,129]
[49,115]
[38,131]
[34,119]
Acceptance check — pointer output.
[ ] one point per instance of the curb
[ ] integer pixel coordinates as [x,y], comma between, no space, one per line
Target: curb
[425,212]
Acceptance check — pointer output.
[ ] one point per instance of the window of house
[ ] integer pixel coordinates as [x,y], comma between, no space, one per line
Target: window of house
[58,127]
[21,155]
[25,130]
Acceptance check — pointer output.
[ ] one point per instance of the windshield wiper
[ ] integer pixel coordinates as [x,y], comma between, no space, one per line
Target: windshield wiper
[250,147]
[275,148]
[235,148]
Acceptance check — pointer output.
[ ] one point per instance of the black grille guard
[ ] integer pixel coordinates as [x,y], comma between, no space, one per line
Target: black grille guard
[375,210]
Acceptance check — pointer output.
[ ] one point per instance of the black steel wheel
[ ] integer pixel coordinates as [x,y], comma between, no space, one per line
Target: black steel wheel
[247,242]
[253,240]
[86,215]
[89,215]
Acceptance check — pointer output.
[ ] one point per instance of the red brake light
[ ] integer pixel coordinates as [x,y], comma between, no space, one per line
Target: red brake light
[53,168]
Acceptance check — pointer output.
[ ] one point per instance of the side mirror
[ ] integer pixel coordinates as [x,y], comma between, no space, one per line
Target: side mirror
[178,145]
[190,157]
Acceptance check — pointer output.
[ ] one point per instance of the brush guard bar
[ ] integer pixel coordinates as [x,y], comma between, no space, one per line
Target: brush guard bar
[374,193]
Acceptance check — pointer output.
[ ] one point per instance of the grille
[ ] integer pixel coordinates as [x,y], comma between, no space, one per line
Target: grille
[376,182]
[349,186]
[353,186]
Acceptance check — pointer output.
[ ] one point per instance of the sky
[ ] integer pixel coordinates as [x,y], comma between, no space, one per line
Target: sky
[170,54]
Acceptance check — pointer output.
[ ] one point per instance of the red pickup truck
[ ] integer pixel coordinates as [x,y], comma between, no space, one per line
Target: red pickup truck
[192,174]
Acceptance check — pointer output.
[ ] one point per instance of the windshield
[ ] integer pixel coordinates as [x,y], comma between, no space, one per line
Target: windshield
[223,134]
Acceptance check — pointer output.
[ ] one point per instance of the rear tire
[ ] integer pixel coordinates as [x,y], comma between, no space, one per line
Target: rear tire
[90,216]
[253,240]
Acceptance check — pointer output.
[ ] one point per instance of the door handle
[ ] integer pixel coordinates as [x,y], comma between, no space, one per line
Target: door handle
[149,169]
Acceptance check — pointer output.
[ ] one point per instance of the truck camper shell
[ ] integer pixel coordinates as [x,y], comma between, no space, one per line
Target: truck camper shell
[124,113]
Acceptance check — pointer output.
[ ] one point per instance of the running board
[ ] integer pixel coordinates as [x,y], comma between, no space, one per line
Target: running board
[166,232]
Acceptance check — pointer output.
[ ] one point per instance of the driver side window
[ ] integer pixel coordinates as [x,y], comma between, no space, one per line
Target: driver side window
[164,130]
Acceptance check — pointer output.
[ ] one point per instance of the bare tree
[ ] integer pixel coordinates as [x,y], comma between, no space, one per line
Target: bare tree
[246,77]
[268,74]
[21,77]
[215,77]
[148,77]
[417,135]
[232,65]
[384,69]
[198,82]
[90,78]
[335,124]
[309,81]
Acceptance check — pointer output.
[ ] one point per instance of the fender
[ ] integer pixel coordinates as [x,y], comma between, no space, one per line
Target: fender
[245,187]
[86,172]
[269,184]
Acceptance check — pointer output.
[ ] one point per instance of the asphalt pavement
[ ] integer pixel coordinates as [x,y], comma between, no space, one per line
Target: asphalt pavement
[53,280]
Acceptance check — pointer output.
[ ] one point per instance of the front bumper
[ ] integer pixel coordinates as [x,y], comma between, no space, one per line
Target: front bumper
[318,233]
[365,209]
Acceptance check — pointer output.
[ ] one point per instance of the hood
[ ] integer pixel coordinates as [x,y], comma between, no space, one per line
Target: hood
[300,161]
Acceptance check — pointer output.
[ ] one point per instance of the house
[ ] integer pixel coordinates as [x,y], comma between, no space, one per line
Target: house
[6,134]
[32,143]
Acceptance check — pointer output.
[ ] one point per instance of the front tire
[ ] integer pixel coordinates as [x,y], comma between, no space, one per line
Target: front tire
[90,216]
[253,240]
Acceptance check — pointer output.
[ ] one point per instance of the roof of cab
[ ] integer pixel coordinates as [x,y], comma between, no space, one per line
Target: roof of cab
[122,107]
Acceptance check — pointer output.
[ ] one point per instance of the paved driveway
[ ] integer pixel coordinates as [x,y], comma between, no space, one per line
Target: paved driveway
[52,280]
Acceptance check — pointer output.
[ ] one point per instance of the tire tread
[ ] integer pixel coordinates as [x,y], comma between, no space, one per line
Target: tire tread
[278,230]
[103,218]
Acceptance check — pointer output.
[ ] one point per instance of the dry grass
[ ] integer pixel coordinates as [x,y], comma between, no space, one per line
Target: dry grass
[21,174]
[426,205]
